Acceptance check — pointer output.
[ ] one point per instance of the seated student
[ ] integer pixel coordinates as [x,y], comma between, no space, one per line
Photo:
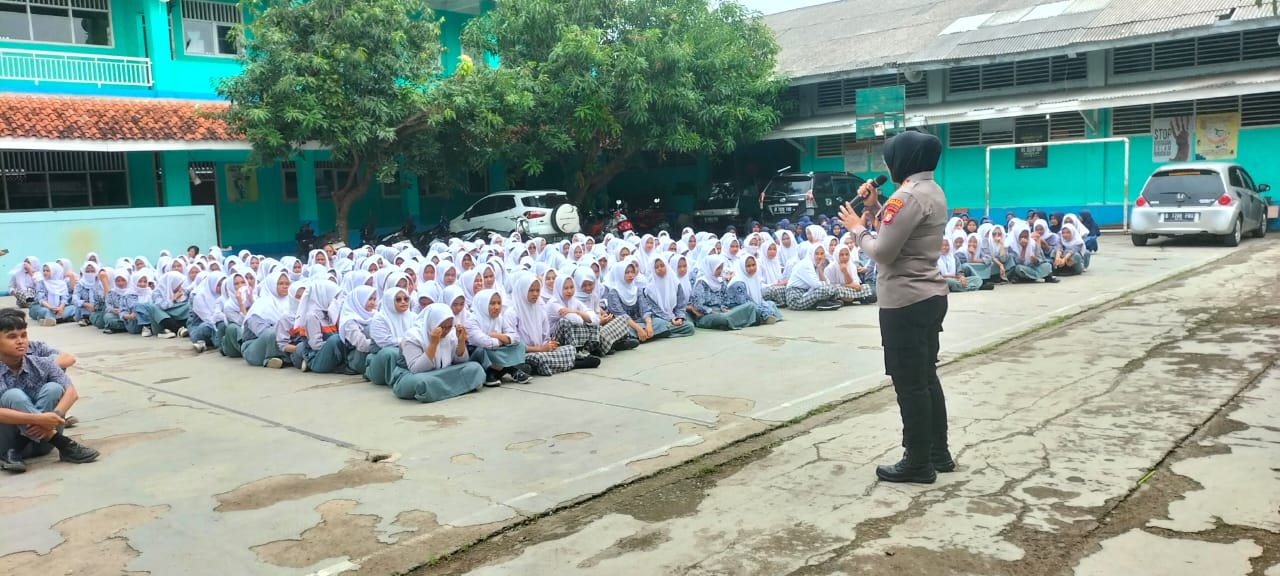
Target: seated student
[53,298]
[614,332]
[543,352]
[143,293]
[498,349]
[258,344]
[1031,264]
[711,308]
[353,325]
[625,302]
[120,300]
[842,273]
[435,365]
[806,287]
[35,395]
[995,258]
[746,288]
[664,301]
[40,348]
[22,281]
[388,330]
[1091,230]
[1071,258]
[236,302]
[168,309]
[960,277]
[207,319]
[773,273]
[571,321]
[90,296]
[321,349]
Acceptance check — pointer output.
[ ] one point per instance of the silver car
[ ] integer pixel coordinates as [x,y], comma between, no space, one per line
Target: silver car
[1199,199]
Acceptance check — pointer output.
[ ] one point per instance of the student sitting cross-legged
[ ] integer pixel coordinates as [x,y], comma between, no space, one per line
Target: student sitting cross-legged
[35,395]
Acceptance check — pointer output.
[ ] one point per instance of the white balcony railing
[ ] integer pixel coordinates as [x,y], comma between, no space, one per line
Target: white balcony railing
[42,66]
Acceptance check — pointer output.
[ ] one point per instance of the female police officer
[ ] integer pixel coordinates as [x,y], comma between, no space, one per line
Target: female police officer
[913,299]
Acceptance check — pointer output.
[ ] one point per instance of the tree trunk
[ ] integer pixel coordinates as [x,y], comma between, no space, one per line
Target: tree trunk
[355,187]
[588,184]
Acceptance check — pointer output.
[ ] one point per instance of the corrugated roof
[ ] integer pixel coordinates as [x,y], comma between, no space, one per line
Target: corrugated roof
[835,39]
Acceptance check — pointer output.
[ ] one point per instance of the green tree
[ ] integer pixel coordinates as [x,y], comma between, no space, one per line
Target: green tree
[349,75]
[610,80]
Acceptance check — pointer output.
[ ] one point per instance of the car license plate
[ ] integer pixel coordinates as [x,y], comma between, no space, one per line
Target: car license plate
[781,209]
[1181,216]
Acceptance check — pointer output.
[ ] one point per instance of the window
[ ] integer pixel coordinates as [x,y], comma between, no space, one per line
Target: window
[206,26]
[477,183]
[44,180]
[85,22]
[1226,48]
[844,188]
[493,205]
[426,190]
[550,200]
[1260,110]
[1038,71]
[330,178]
[289,173]
[1059,126]
[1236,180]
[832,145]
[1255,110]
[1248,180]
[841,93]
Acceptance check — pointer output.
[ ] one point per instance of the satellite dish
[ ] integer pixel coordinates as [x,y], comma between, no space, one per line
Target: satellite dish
[913,75]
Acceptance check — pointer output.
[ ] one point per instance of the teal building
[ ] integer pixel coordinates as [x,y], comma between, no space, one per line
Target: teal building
[103,104]
[1198,78]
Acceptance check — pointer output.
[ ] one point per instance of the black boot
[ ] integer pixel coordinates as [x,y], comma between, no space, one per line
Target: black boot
[914,467]
[71,451]
[940,459]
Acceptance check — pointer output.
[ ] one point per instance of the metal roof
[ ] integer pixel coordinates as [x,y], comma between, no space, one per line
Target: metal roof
[842,38]
[1115,96]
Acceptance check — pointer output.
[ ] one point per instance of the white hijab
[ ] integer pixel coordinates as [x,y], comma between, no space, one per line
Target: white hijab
[629,292]
[709,276]
[480,311]
[353,309]
[751,281]
[56,284]
[805,273]
[531,319]
[430,319]
[664,289]
[269,306]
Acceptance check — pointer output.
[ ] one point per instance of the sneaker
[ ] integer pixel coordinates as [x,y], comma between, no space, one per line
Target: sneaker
[199,346]
[48,322]
[987,286]
[146,332]
[76,453]
[83,323]
[183,332]
[626,344]
[274,363]
[583,353]
[167,335]
[10,461]
[588,362]
[520,376]
[70,422]
[107,331]
[1051,280]
[828,305]
[771,320]
[492,379]
[303,367]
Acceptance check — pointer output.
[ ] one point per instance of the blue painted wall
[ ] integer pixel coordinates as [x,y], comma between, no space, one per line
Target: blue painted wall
[111,233]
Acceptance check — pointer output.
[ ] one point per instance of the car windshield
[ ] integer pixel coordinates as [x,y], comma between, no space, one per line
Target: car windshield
[789,185]
[722,195]
[1183,186]
[549,200]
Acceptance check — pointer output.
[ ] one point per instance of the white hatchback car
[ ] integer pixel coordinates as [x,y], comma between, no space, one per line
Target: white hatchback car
[545,213]
[1199,199]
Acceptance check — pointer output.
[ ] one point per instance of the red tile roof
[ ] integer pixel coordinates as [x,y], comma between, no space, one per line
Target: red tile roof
[89,118]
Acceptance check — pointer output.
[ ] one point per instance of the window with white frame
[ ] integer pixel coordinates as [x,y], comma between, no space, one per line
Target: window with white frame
[206,28]
[85,22]
[31,180]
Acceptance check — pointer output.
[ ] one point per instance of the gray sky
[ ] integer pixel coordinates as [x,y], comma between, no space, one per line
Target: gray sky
[771,6]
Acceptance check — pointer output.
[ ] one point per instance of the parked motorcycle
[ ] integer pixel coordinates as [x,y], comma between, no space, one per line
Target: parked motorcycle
[608,222]
[308,241]
[651,219]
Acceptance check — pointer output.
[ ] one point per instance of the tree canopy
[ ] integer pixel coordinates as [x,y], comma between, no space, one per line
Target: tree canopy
[352,76]
[603,81]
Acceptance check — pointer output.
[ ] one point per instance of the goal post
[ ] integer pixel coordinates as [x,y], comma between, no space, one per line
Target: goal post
[1125,211]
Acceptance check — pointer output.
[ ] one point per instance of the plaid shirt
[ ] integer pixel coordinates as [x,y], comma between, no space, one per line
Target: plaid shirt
[35,373]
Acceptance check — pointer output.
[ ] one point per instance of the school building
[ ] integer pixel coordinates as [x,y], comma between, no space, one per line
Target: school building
[1190,79]
[104,104]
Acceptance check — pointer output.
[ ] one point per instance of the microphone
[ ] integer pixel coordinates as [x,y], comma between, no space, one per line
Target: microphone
[875,185]
[879,181]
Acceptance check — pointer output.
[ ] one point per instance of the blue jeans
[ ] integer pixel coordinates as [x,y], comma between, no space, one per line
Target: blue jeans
[38,312]
[200,330]
[46,400]
[143,317]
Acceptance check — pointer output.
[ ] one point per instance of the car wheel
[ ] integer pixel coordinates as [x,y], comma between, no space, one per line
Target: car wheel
[1138,239]
[1261,232]
[1237,233]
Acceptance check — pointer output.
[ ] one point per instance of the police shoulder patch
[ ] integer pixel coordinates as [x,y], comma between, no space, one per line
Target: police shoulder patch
[890,209]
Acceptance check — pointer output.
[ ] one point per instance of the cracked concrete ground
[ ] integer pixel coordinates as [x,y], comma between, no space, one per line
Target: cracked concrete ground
[213,467]
[1138,438]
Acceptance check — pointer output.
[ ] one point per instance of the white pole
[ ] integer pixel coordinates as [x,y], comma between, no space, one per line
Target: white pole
[1066,143]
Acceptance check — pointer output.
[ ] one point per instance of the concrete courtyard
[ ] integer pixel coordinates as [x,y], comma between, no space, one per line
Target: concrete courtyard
[213,467]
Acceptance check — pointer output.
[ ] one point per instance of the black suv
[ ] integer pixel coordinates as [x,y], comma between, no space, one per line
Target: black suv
[794,194]
[727,203]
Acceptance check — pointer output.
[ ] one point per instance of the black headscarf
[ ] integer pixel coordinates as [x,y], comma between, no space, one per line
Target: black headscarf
[911,153]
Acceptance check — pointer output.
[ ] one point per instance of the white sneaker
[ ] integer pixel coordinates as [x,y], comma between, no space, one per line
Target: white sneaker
[182,331]
[83,322]
[48,322]
[199,346]
[167,334]
[304,366]
[146,332]
[275,363]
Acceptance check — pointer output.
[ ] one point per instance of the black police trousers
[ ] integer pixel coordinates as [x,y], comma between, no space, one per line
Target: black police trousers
[910,339]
